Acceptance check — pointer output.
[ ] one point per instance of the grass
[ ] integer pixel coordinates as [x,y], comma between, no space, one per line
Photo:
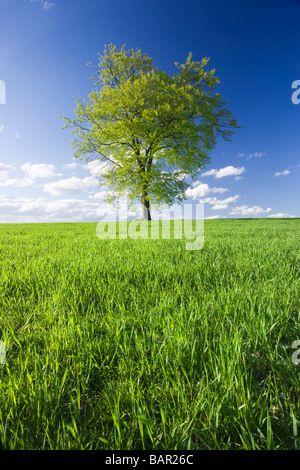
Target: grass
[141,344]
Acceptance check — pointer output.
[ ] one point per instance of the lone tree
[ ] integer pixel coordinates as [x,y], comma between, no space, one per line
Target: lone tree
[149,130]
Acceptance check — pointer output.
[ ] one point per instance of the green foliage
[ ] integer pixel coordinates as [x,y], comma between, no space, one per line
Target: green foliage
[140,344]
[151,130]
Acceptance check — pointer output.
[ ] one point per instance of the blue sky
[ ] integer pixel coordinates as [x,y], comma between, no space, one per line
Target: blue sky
[44,49]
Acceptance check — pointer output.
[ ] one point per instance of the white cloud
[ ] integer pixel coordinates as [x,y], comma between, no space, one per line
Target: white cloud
[252,155]
[72,185]
[99,195]
[40,210]
[202,189]
[282,173]
[45,4]
[48,5]
[218,207]
[96,167]
[245,210]
[6,166]
[281,215]
[71,166]
[3,174]
[227,171]
[1,128]
[18,182]
[223,204]
[219,204]
[39,170]
[256,155]
[5,181]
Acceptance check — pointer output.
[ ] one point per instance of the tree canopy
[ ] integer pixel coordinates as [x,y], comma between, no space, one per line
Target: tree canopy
[150,130]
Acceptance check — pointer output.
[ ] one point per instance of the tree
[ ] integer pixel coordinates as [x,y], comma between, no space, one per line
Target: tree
[149,129]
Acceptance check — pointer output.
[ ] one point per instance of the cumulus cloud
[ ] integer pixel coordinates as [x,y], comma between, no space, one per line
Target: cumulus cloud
[3,174]
[39,170]
[219,204]
[282,173]
[217,207]
[223,172]
[63,210]
[45,4]
[6,166]
[17,182]
[72,185]
[96,167]
[252,155]
[212,217]
[29,210]
[71,166]
[199,189]
[99,195]
[245,210]
[281,215]
[256,155]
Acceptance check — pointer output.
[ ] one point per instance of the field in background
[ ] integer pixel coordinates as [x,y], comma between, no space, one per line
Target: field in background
[141,344]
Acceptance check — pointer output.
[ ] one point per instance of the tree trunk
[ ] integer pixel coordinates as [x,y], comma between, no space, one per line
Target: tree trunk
[145,205]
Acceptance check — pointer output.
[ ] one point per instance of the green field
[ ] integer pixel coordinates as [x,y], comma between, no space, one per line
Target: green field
[141,344]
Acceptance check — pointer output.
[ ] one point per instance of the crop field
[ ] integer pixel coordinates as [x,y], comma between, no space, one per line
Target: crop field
[142,344]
